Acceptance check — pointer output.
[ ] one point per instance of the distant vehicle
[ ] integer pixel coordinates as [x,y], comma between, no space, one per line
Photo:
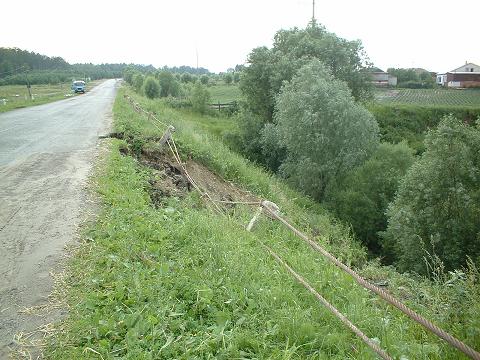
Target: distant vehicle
[78,86]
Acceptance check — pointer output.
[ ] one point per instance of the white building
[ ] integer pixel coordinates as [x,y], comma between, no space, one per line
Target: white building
[381,78]
[465,76]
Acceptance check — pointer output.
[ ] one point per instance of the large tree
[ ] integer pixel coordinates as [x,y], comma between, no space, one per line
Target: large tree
[269,69]
[437,209]
[324,132]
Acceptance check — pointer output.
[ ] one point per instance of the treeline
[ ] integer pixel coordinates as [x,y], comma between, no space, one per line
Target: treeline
[12,59]
[180,90]
[19,66]
[306,119]
[186,69]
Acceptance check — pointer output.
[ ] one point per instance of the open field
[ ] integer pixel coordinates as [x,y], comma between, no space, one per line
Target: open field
[429,97]
[162,276]
[16,96]
[224,93]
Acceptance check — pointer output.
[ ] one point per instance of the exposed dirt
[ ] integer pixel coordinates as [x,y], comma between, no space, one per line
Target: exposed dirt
[169,179]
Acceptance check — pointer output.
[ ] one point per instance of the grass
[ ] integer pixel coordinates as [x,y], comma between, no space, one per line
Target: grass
[17,96]
[184,282]
[223,93]
[429,97]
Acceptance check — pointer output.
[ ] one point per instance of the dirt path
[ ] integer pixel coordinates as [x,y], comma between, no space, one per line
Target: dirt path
[46,154]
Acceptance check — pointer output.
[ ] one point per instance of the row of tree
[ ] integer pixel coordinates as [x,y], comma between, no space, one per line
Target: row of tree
[413,78]
[304,120]
[12,59]
[165,84]
[17,65]
[184,77]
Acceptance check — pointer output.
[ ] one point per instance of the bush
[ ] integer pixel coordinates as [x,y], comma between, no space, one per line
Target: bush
[204,79]
[363,197]
[437,209]
[228,78]
[151,88]
[324,131]
[200,98]
[186,78]
[168,84]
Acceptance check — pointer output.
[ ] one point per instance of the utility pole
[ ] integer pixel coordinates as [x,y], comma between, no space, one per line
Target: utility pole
[196,51]
[28,86]
[313,10]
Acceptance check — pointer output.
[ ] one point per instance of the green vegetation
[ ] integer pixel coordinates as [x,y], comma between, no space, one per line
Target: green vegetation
[269,69]
[151,88]
[169,86]
[429,97]
[204,79]
[324,132]
[200,98]
[228,78]
[437,209]
[411,122]
[181,281]
[413,78]
[222,93]
[362,198]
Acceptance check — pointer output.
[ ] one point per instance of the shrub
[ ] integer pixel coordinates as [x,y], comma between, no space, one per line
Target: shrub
[204,79]
[169,86]
[151,88]
[228,78]
[325,133]
[186,78]
[200,98]
[437,209]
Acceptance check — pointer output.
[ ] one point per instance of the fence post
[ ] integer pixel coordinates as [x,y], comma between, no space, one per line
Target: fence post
[166,136]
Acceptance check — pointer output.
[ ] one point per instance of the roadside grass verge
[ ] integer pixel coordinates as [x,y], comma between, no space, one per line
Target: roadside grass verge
[183,282]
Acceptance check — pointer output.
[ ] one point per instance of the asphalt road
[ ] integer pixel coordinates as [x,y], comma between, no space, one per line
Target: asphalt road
[46,155]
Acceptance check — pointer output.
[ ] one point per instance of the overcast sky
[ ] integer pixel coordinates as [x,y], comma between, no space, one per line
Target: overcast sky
[436,35]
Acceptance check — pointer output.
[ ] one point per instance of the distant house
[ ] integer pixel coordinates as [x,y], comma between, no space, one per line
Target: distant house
[381,78]
[465,76]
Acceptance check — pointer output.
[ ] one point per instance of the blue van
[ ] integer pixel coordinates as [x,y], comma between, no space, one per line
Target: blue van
[78,86]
